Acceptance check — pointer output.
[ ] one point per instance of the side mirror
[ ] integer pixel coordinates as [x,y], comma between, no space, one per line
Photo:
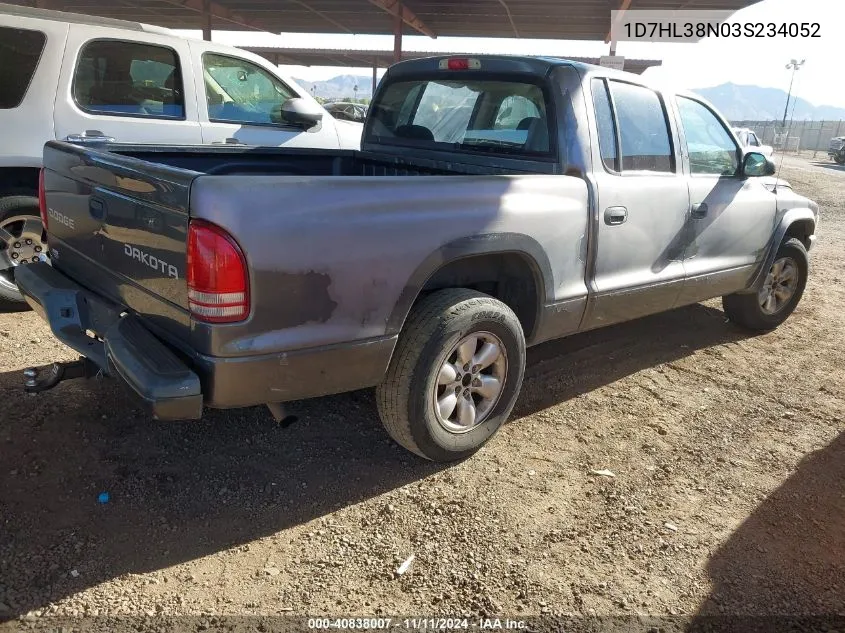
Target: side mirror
[756,164]
[298,113]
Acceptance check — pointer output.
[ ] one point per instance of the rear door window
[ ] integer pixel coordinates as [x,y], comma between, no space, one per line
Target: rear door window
[20,50]
[475,115]
[643,128]
[129,79]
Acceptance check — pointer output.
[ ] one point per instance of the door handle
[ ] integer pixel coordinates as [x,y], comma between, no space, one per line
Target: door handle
[89,137]
[699,210]
[615,215]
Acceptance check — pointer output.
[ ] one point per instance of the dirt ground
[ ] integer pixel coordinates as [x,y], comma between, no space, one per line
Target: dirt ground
[728,452]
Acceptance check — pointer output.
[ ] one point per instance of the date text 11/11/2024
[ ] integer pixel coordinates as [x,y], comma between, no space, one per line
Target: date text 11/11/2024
[417,624]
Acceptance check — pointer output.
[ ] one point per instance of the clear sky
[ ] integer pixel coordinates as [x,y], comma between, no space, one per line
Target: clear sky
[707,63]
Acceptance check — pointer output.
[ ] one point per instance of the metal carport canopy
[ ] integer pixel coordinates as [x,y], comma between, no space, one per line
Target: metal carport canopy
[551,19]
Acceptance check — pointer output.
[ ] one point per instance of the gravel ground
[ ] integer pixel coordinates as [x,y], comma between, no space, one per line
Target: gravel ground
[728,453]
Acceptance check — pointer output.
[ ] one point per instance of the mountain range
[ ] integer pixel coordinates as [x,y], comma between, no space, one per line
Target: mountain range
[753,103]
[340,87]
[736,102]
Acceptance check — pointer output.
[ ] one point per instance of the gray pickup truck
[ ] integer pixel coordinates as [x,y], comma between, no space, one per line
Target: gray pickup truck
[497,202]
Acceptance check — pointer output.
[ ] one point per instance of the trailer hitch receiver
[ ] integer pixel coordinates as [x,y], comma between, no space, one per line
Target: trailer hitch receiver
[37,379]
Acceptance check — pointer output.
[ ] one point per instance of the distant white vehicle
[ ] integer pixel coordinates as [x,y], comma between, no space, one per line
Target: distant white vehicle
[88,80]
[749,140]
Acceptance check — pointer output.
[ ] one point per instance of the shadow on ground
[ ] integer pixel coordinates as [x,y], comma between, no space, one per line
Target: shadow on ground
[833,166]
[788,557]
[179,491]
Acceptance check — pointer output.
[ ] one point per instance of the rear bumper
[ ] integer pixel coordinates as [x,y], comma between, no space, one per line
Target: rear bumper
[176,386]
[123,348]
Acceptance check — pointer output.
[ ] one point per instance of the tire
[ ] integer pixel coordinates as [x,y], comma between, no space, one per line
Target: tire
[749,311]
[407,395]
[840,158]
[13,207]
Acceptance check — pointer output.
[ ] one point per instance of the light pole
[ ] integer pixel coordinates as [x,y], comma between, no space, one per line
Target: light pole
[794,65]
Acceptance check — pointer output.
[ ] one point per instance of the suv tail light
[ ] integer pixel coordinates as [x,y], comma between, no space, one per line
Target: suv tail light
[42,199]
[218,287]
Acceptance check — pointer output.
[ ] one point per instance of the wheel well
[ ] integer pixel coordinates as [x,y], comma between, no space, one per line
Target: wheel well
[802,230]
[18,181]
[509,277]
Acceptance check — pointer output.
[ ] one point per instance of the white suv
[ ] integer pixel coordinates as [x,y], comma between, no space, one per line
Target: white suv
[86,79]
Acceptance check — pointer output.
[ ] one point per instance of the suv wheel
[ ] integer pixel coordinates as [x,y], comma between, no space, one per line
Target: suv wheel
[22,241]
[454,376]
[780,294]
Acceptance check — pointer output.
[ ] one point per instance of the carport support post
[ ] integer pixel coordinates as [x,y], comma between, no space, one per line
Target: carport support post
[206,16]
[397,33]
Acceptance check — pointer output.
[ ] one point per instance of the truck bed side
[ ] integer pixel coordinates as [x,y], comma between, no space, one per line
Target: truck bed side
[334,259]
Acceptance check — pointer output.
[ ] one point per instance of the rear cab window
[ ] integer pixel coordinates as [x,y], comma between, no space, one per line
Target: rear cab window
[20,51]
[470,114]
[120,78]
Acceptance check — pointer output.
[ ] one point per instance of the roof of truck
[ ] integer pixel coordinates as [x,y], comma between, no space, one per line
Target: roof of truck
[505,63]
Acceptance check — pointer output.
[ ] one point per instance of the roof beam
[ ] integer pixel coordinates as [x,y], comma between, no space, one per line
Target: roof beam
[332,21]
[510,17]
[397,9]
[217,11]
[622,8]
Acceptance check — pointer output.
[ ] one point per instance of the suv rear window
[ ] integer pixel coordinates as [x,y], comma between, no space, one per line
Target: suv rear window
[500,117]
[20,50]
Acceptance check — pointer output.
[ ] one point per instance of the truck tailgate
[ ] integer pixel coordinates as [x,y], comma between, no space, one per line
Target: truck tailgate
[120,231]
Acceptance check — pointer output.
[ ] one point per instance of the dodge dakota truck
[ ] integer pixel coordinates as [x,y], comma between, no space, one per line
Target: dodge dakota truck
[496,203]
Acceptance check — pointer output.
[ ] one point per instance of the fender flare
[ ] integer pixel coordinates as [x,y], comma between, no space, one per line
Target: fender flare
[462,248]
[790,218]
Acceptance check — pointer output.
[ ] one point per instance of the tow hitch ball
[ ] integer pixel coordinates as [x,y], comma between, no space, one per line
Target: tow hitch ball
[43,378]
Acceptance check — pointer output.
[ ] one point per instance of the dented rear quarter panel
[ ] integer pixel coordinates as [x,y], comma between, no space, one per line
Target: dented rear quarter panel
[339,259]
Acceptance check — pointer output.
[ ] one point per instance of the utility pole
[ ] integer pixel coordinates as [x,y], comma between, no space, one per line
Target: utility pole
[794,65]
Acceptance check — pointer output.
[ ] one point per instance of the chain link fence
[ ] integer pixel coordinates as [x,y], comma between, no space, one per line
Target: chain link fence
[798,136]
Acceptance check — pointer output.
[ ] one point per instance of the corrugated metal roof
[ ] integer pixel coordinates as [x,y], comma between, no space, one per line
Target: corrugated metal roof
[553,19]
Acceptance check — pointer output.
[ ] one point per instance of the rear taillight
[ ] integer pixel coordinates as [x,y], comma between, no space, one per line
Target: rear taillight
[218,287]
[42,199]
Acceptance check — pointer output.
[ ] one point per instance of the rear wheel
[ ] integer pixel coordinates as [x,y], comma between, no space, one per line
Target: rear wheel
[22,241]
[455,374]
[840,158]
[780,294]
